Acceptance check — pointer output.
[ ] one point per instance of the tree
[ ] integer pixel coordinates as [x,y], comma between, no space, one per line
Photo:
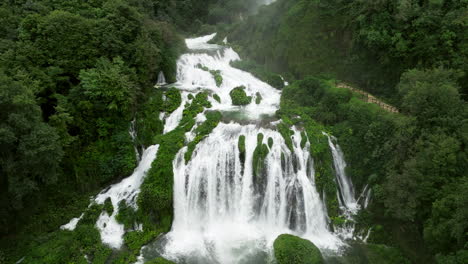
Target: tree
[30,150]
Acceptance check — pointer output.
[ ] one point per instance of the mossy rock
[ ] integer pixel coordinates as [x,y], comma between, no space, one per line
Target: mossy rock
[108,207]
[291,249]
[241,146]
[258,98]
[239,97]
[217,98]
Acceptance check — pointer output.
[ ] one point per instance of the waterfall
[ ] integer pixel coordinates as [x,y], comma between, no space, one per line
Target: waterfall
[346,189]
[230,205]
[221,210]
[127,190]
[161,79]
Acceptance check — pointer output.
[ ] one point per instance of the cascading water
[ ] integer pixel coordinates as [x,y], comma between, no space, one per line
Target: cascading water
[347,197]
[226,211]
[161,79]
[223,213]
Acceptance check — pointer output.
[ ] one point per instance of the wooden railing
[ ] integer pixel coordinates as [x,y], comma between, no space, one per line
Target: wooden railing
[366,97]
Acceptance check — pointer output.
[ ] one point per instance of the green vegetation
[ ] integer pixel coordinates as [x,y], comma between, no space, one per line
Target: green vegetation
[74,74]
[71,246]
[217,98]
[258,165]
[173,100]
[202,131]
[239,97]
[155,199]
[405,160]
[290,249]
[215,73]
[259,72]
[258,98]
[241,146]
[366,43]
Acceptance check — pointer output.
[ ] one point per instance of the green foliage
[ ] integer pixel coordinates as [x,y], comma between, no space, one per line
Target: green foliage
[366,43]
[31,150]
[147,124]
[286,133]
[259,72]
[202,131]
[258,164]
[127,215]
[108,207]
[258,98]
[74,74]
[425,149]
[241,147]
[290,249]
[155,199]
[215,73]
[239,97]
[173,100]
[217,98]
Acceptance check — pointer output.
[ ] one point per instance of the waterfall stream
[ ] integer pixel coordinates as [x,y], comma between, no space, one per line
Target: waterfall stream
[227,208]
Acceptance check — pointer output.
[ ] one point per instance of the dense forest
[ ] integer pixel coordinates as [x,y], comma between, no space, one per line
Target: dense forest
[414,55]
[75,76]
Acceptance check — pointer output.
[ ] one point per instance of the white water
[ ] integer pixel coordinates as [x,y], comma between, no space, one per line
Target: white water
[215,57]
[222,213]
[347,197]
[161,79]
[173,120]
[72,224]
[127,190]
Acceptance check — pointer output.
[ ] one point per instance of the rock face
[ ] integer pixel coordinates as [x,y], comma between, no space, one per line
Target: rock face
[291,249]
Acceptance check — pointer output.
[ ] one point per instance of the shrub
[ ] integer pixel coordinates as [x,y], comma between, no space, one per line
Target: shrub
[239,97]
[290,249]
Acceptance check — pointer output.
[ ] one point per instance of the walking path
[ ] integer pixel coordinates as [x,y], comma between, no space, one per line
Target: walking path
[366,97]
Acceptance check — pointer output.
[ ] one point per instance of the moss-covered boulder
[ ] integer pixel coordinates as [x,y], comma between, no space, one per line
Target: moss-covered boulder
[239,97]
[290,249]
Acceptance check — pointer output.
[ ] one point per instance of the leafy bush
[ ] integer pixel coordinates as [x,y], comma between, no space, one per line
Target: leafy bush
[290,249]
[239,97]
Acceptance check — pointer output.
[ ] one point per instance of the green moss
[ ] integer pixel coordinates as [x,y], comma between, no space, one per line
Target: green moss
[239,97]
[71,246]
[286,134]
[258,98]
[325,178]
[91,214]
[217,98]
[241,146]
[303,139]
[215,73]
[108,207]
[258,164]
[173,100]
[217,76]
[160,261]
[259,72]
[290,249]
[147,122]
[127,215]
[212,121]
[270,142]
[190,97]
[155,199]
